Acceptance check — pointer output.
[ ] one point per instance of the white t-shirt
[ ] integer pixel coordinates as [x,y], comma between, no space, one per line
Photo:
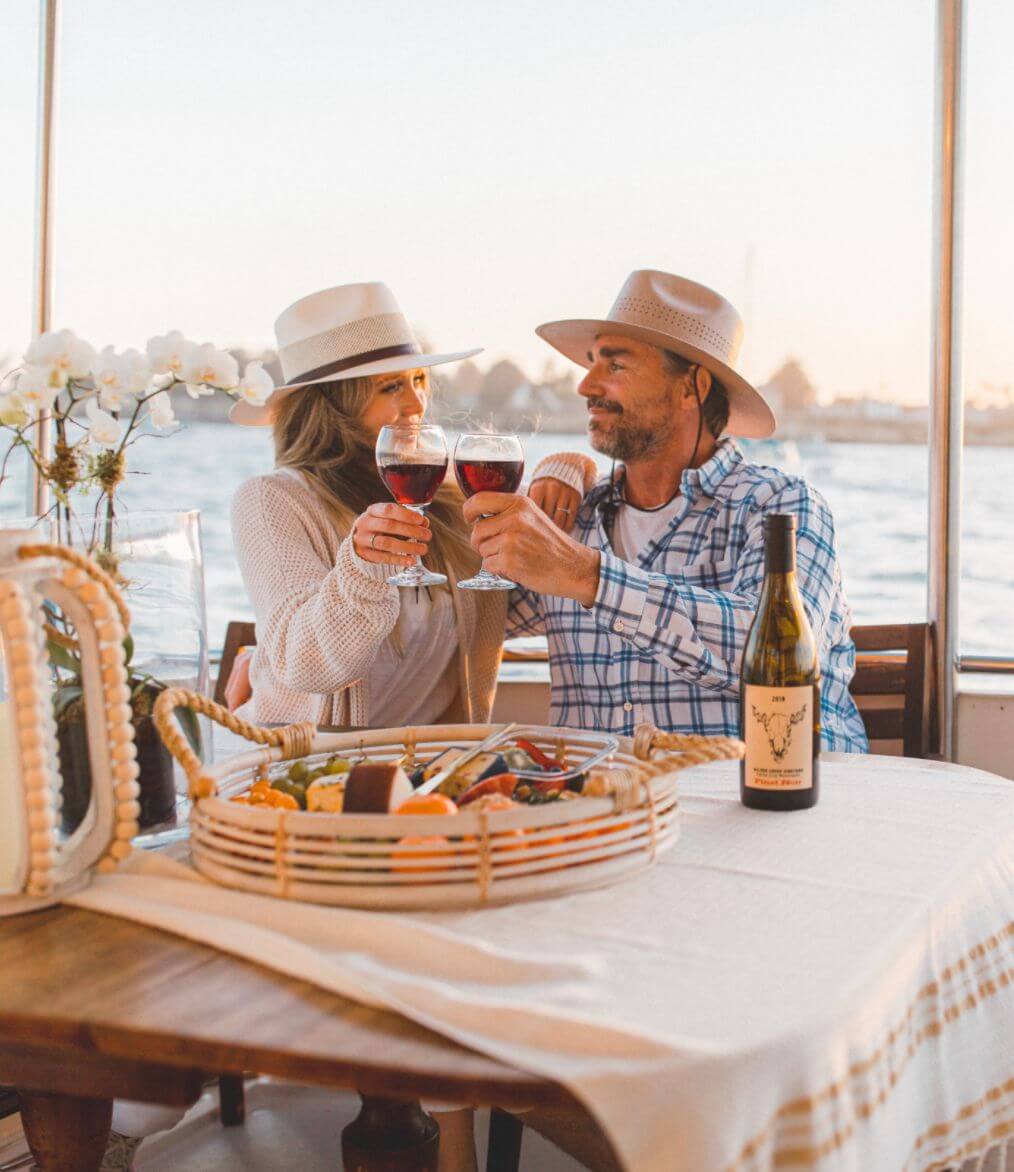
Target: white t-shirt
[635,529]
[416,684]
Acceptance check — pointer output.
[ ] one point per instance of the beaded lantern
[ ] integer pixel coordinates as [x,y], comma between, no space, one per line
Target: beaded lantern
[39,863]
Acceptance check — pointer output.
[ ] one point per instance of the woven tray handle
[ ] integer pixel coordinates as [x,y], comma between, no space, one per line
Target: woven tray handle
[685,749]
[295,740]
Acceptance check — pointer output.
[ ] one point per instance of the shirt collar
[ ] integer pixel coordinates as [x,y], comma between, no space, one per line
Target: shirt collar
[706,480]
[695,482]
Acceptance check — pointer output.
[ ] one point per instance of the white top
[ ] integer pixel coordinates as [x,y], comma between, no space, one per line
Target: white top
[323,613]
[635,529]
[833,981]
[412,685]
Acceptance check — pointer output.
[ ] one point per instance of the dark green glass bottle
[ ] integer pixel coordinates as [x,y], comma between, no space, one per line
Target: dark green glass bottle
[780,686]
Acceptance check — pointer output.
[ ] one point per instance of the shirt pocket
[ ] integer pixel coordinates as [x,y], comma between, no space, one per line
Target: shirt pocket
[710,575]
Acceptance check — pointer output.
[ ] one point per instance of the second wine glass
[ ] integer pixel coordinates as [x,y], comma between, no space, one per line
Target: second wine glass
[488,463]
[412,462]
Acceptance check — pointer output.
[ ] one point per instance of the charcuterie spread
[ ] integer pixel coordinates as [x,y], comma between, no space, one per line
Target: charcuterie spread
[437,816]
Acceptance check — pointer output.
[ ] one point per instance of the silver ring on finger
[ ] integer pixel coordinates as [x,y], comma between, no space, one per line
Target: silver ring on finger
[561,509]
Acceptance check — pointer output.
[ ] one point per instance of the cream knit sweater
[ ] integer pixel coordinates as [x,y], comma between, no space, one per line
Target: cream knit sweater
[322,612]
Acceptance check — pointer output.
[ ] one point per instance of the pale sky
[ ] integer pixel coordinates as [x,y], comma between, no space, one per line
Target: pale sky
[500,164]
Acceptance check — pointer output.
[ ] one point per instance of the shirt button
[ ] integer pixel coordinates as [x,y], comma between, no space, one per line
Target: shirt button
[618,627]
[627,706]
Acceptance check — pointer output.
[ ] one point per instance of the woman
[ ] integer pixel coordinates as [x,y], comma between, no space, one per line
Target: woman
[317,539]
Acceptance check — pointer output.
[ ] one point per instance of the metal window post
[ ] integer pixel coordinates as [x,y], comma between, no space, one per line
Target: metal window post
[38,490]
[946,403]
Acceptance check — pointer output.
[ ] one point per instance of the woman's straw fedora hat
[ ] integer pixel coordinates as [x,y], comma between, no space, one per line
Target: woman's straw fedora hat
[679,315]
[344,332]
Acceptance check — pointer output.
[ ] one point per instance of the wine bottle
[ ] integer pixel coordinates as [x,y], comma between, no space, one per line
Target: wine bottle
[780,686]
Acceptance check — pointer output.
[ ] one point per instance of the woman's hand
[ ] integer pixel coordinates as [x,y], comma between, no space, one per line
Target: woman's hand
[390,534]
[237,686]
[557,500]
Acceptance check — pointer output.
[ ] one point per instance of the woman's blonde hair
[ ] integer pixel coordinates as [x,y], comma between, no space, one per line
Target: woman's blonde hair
[317,431]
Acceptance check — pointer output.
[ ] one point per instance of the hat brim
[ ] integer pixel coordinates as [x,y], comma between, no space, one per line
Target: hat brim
[749,414]
[263,414]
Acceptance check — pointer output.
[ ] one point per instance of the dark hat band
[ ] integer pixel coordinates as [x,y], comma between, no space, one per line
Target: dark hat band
[319,372]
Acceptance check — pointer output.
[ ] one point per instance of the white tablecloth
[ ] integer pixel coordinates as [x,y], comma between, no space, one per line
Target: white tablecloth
[828,989]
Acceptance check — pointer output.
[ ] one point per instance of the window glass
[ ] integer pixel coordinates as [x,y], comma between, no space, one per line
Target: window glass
[17,208]
[502,165]
[987,540]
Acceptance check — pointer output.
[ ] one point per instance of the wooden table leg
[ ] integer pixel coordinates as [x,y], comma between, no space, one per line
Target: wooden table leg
[388,1136]
[65,1133]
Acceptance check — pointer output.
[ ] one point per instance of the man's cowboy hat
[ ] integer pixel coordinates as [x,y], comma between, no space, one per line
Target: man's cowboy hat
[344,332]
[679,315]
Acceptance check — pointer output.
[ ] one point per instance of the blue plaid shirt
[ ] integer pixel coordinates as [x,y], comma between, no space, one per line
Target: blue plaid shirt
[663,641]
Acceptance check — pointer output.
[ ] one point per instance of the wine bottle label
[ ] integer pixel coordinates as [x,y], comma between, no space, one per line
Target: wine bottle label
[778,731]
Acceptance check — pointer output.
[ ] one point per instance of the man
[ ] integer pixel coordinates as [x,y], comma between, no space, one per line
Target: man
[647,602]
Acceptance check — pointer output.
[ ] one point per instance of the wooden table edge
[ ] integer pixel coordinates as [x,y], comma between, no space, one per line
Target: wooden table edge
[64,1033]
[516,1090]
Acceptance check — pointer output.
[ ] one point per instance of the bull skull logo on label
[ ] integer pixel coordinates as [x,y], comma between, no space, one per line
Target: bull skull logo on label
[778,726]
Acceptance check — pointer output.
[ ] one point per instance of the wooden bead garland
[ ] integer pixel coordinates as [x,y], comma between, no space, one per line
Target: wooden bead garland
[29,704]
[33,721]
[103,608]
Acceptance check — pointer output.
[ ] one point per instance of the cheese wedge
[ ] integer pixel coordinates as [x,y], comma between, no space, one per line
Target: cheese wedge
[375,788]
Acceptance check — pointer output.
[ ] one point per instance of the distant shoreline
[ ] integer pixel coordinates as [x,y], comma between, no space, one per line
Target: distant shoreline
[796,426]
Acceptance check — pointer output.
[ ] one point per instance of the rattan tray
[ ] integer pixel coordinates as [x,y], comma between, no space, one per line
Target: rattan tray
[362,860]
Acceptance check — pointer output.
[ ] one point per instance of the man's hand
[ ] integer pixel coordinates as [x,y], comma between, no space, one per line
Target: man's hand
[517,539]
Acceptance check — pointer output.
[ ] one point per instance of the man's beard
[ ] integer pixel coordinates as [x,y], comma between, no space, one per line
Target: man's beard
[626,440]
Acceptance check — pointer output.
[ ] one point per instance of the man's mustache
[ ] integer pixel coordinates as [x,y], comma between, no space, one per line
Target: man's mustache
[605,405]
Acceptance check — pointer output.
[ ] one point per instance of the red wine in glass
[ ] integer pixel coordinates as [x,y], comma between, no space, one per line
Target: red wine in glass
[413,484]
[489,475]
[412,462]
[488,463]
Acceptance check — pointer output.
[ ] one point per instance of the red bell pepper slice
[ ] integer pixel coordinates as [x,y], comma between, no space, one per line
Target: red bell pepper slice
[549,786]
[543,760]
[499,783]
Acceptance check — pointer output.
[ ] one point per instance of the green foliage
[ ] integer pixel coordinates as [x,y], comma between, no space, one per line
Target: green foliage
[144,690]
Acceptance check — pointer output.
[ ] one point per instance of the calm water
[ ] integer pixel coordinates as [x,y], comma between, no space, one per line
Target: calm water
[878,494]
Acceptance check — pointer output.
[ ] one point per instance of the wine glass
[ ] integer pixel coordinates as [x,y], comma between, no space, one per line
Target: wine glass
[488,463]
[412,461]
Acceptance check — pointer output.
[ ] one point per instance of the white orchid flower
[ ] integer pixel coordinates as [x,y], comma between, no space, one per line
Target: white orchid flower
[35,389]
[12,410]
[105,431]
[205,369]
[256,384]
[63,354]
[161,412]
[168,353]
[111,373]
[137,371]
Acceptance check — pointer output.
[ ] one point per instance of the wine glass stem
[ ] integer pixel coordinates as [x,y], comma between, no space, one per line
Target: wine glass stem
[417,567]
[483,572]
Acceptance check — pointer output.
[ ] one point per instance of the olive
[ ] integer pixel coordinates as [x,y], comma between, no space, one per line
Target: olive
[298,771]
[284,786]
[337,765]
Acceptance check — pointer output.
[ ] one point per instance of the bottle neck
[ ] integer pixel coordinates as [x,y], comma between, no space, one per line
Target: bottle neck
[780,553]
